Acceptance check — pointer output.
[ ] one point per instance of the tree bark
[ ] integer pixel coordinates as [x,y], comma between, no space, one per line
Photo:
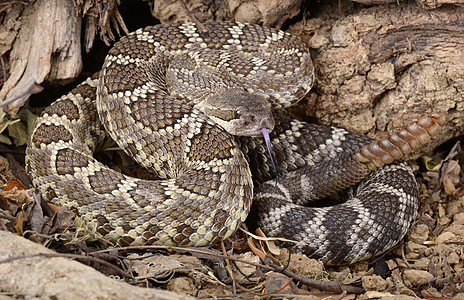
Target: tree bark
[47,47]
[424,3]
[380,68]
[271,13]
[45,41]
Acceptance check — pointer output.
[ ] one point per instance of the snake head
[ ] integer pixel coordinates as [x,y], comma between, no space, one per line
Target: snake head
[240,113]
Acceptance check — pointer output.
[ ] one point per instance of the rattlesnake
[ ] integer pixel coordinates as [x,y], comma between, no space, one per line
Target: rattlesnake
[164,95]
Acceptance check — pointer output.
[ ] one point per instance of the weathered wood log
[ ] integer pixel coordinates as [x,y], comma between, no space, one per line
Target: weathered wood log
[380,68]
[45,40]
[59,277]
[377,68]
[424,3]
[266,12]
[47,47]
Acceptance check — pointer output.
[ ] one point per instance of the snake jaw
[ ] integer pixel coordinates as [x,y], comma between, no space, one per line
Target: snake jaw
[252,126]
[246,126]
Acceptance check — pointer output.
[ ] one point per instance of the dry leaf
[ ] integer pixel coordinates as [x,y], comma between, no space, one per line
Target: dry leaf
[12,183]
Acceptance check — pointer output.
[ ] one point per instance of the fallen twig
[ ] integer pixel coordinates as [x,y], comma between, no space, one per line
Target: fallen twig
[330,286]
[3,69]
[4,215]
[192,17]
[454,278]
[403,256]
[229,268]
[3,225]
[31,88]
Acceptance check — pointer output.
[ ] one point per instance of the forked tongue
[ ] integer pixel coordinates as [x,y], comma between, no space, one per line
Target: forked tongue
[271,151]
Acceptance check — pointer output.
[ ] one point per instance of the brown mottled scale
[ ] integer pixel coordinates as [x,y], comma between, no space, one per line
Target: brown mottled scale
[206,186]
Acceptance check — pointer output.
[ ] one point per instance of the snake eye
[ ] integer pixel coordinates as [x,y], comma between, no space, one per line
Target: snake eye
[237,114]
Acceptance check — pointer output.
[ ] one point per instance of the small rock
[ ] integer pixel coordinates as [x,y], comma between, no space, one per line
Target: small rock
[414,247]
[457,229]
[404,291]
[417,277]
[419,233]
[458,217]
[301,264]
[431,293]
[421,263]
[444,220]
[247,269]
[444,249]
[270,13]
[318,41]
[448,185]
[247,12]
[276,282]
[454,207]
[412,255]
[442,238]
[373,283]
[182,285]
[402,297]
[414,250]
[453,258]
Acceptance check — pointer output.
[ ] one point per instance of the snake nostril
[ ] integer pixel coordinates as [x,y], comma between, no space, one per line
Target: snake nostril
[267,123]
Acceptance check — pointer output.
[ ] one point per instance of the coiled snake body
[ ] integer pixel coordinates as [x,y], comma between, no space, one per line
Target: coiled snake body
[165,93]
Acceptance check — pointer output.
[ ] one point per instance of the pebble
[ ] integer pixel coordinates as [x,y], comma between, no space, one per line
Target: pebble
[417,277]
[458,217]
[301,264]
[442,238]
[419,233]
[457,229]
[431,293]
[182,285]
[373,283]
[414,250]
[422,263]
[453,258]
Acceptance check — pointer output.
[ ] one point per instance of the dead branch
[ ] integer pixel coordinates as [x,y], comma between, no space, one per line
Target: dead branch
[31,88]
[330,286]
